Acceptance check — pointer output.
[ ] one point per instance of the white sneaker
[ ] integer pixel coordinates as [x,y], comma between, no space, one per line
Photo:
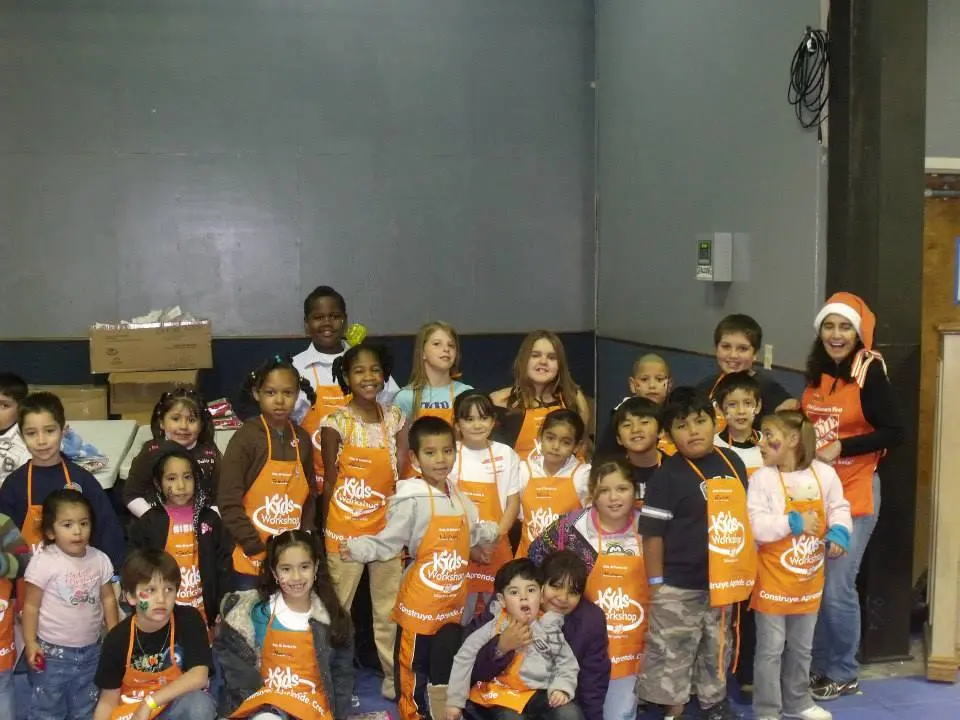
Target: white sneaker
[814,712]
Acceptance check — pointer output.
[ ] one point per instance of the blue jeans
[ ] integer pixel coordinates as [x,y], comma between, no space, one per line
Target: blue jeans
[195,705]
[64,689]
[8,708]
[837,637]
[621,700]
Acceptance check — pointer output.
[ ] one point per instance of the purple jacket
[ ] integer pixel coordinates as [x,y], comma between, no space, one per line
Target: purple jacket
[586,632]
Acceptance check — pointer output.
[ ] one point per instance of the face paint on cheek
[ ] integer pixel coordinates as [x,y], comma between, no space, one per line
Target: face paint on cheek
[775,445]
[143,605]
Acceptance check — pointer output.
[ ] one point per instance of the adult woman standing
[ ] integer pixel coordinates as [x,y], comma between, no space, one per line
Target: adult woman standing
[851,403]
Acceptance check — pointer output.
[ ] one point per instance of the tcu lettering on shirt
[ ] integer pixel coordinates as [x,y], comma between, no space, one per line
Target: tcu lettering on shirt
[277,514]
[445,572]
[622,611]
[727,535]
[357,498]
[804,557]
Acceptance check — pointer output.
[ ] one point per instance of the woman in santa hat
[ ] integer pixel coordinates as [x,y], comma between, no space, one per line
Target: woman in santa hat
[851,403]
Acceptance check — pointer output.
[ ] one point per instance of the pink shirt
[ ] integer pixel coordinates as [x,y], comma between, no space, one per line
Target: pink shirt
[70,612]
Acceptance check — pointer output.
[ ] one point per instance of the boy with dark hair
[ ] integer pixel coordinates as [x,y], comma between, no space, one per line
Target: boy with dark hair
[636,422]
[158,658]
[650,379]
[700,560]
[13,451]
[543,683]
[737,339]
[738,398]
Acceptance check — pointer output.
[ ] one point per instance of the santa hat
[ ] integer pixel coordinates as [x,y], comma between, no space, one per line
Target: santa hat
[853,309]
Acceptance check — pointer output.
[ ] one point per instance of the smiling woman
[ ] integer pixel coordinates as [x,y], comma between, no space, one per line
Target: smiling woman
[850,402]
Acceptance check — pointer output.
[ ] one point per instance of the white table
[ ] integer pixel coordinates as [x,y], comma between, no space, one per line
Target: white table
[112,438]
[220,437]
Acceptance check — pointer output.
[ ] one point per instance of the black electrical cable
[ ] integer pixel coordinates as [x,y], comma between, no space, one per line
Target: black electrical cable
[809,79]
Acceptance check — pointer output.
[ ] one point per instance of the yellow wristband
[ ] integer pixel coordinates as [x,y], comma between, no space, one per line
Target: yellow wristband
[151,703]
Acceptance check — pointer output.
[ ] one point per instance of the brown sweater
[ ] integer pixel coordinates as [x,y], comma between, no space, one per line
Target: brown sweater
[245,457]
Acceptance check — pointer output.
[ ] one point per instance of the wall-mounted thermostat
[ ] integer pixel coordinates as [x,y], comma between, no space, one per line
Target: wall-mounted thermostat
[715,257]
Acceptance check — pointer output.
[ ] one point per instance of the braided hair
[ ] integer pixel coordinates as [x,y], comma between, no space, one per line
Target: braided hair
[256,378]
[342,364]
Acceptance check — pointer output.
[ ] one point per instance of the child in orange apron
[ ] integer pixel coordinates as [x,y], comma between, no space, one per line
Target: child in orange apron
[266,485]
[488,473]
[325,323]
[438,525]
[156,663]
[287,648]
[69,597]
[180,416]
[799,517]
[541,383]
[361,443]
[700,560]
[605,536]
[553,481]
[14,555]
[182,523]
[541,680]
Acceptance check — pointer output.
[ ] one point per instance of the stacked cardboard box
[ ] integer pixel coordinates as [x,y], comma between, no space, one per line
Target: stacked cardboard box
[144,361]
[80,402]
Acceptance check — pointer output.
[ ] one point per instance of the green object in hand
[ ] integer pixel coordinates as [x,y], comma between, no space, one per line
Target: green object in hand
[355,334]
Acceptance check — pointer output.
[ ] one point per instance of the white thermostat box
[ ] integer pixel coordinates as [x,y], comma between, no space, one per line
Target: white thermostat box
[715,257]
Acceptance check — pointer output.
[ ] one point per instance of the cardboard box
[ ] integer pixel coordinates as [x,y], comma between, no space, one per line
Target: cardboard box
[158,346]
[80,402]
[140,418]
[138,392]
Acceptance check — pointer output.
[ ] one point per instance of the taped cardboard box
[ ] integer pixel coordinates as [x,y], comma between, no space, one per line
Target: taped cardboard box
[127,347]
[136,393]
[80,402]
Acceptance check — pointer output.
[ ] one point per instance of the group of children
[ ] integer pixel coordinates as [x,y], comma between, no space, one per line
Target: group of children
[508,575]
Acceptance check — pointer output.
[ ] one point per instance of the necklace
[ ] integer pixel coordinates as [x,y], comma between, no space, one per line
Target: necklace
[142,653]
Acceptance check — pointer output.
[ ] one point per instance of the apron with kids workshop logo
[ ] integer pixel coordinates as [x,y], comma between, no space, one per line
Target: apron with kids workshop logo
[182,545]
[329,399]
[137,684]
[507,690]
[365,479]
[791,570]
[8,645]
[486,496]
[274,503]
[618,586]
[291,676]
[32,530]
[542,501]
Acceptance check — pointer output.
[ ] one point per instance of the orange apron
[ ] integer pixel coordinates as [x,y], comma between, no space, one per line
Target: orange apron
[329,398]
[835,416]
[8,645]
[791,571]
[291,676]
[182,545]
[665,444]
[542,501]
[274,503]
[137,684]
[406,469]
[530,429]
[32,524]
[507,689]
[721,420]
[433,591]
[618,586]
[732,555]
[486,497]
[365,480]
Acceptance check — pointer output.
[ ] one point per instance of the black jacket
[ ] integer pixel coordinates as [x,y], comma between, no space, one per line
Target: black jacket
[214,548]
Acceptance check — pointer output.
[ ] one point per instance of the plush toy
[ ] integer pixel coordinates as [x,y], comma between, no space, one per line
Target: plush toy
[355,334]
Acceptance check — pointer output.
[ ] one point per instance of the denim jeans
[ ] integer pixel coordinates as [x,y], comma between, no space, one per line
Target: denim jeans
[781,676]
[837,637]
[64,688]
[7,697]
[621,700]
[195,705]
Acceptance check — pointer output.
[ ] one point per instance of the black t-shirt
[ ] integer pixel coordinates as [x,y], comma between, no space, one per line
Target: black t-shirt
[772,393]
[641,476]
[151,651]
[676,510]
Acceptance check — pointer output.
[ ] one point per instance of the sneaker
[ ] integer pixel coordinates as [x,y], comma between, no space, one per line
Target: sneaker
[746,694]
[816,678]
[814,712]
[721,711]
[828,689]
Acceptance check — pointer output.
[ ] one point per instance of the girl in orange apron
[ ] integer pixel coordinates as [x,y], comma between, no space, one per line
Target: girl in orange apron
[299,634]
[552,480]
[281,496]
[361,443]
[488,473]
[798,515]
[541,383]
[439,526]
[182,523]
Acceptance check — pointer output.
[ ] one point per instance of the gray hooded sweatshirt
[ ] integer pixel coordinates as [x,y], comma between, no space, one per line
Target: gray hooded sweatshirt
[548,662]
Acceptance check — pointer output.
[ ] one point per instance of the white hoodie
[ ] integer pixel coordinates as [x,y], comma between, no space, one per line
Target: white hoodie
[409,513]
[13,451]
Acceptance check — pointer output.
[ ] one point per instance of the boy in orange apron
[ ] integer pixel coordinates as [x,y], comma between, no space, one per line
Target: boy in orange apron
[700,560]
[541,680]
[156,662]
[438,525]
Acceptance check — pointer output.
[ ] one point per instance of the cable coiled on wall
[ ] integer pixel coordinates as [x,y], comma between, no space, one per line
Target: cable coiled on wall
[809,80]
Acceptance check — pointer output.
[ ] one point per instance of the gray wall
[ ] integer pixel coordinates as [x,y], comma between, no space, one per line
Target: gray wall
[943,88]
[696,136]
[428,157]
